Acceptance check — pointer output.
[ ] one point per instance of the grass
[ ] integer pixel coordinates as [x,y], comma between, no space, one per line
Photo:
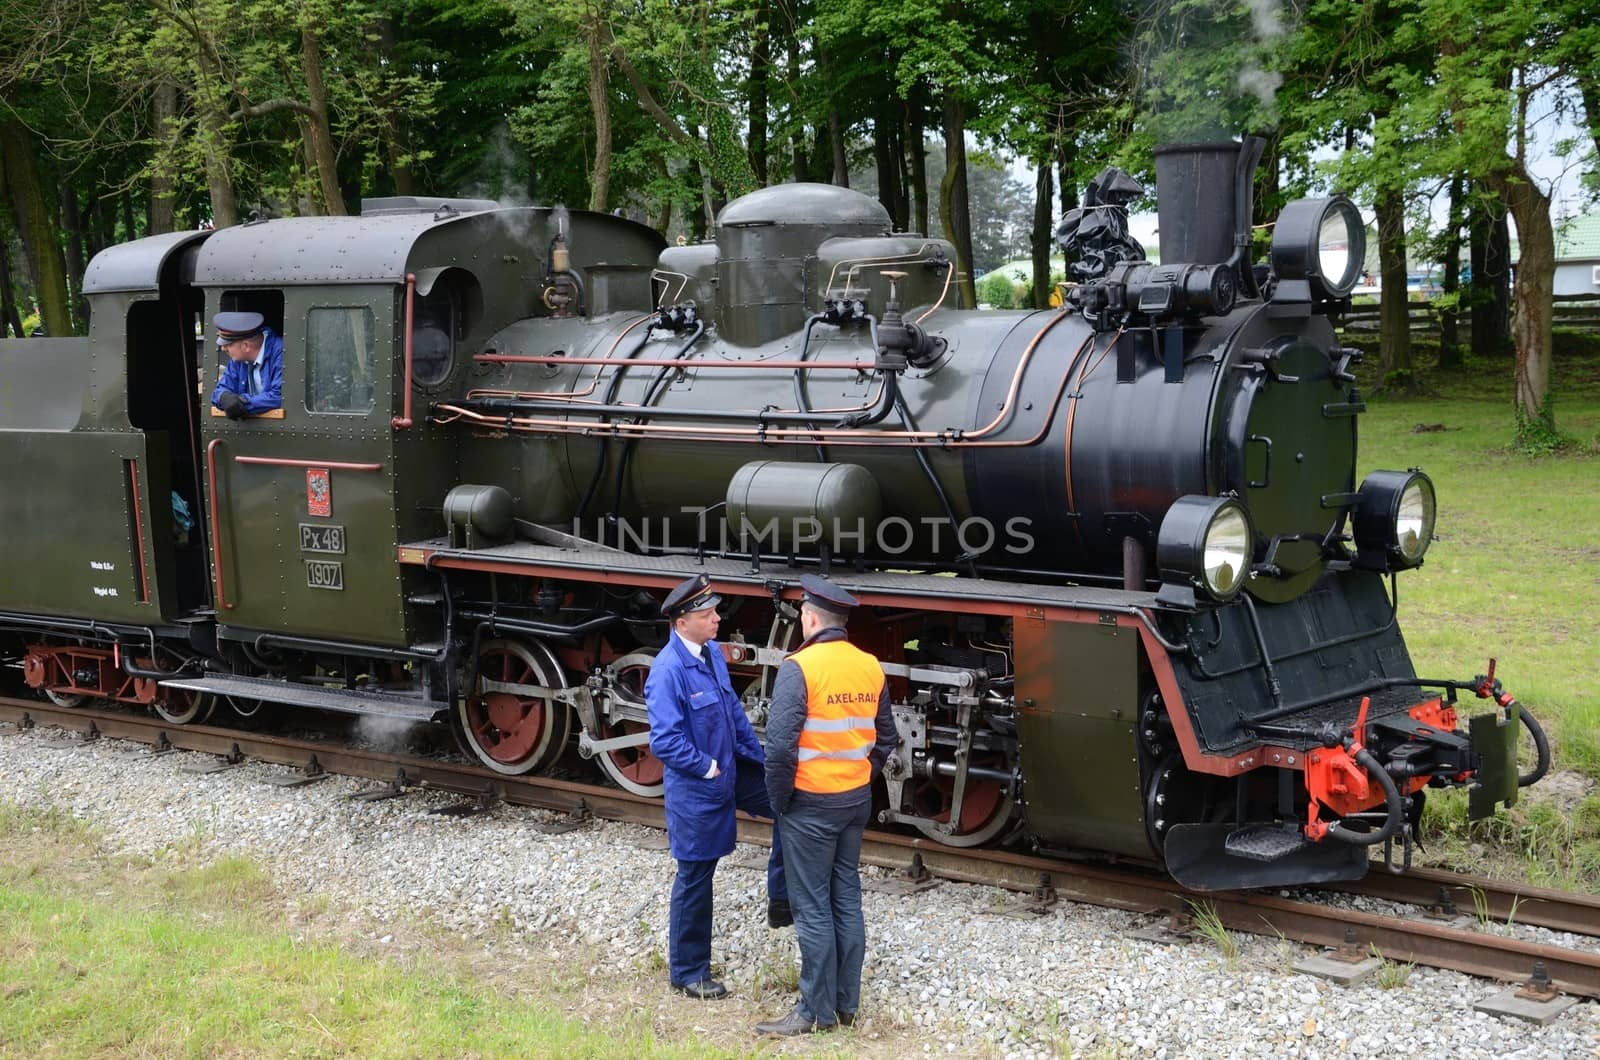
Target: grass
[1208,922]
[1515,569]
[105,956]
[1514,575]
[1391,975]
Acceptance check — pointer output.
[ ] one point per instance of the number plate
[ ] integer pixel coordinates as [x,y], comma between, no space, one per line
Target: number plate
[321,538]
[324,574]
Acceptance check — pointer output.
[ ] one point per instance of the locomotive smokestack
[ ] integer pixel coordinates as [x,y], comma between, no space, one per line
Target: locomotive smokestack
[1204,202]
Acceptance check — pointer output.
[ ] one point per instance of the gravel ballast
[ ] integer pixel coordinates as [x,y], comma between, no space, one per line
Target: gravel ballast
[947,970]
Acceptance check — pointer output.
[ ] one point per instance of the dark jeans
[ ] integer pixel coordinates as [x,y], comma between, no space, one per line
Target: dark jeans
[689,920]
[824,872]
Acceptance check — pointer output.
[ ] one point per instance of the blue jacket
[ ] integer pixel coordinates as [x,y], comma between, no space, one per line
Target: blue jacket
[236,377]
[695,717]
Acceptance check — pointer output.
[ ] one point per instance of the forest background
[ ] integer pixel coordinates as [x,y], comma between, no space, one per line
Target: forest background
[132,117]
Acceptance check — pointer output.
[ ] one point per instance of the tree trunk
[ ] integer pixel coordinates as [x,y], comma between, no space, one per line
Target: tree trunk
[35,227]
[917,113]
[600,111]
[907,183]
[163,110]
[791,75]
[708,197]
[1491,273]
[1533,294]
[799,157]
[72,222]
[760,72]
[883,154]
[127,217]
[1394,320]
[394,141]
[219,182]
[1044,188]
[100,226]
[306,200]
[955,212]
[1066,159]
[1449,331]
[320,139]
[841,163]
[902,164]
[219,159]
[836,136]
[10,318]
[663,220]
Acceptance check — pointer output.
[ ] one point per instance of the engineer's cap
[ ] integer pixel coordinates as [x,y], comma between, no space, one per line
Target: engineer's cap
[231,327]
[692,595]
[822,593]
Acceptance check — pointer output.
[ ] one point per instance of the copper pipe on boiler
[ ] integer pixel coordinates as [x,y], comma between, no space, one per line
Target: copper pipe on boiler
[594,383]
[513,358]
[949,271]
[800,434]
[856,439]
[1072,409]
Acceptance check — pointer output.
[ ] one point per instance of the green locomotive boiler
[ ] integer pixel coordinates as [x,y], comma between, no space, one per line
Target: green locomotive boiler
[1128,594]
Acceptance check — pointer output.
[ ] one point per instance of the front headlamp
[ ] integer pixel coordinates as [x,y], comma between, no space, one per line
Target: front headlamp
[1319,247]
[1204,548]
[1394,517]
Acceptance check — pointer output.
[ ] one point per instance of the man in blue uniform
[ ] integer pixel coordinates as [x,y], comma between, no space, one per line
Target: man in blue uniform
[714,764]
[829,732]
[252,380]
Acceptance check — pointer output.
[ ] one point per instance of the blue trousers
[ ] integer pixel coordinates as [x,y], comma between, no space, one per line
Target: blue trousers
[689,922]
[824,844]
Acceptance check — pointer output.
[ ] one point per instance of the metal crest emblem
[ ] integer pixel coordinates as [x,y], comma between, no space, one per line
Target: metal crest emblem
[319,491]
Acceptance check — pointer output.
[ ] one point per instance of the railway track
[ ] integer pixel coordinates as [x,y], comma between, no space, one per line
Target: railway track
[1442,933]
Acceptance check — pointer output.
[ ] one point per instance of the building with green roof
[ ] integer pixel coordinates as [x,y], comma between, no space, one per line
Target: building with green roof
[1578,255]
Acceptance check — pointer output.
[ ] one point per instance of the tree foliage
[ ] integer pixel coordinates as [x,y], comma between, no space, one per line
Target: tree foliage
[131,116]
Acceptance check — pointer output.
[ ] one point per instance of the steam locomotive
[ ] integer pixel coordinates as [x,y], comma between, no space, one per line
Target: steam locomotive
[1128,595]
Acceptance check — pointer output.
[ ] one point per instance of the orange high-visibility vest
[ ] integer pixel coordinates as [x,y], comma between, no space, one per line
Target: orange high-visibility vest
[843,684]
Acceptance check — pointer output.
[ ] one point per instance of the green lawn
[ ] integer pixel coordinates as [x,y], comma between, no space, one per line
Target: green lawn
[1515,571]
[103,956]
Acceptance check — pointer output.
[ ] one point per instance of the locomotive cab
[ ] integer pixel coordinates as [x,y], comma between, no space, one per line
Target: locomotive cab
[107,423]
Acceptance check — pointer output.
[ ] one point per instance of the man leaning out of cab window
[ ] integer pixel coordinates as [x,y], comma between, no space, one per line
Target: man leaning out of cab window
[252,380]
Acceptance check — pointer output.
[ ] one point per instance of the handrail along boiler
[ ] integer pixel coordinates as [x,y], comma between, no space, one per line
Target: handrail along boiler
[1129,597]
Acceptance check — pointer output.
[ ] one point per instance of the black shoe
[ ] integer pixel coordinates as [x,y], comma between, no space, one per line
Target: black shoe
[704,990]
[796,1022]
[847,1019]
[779,914]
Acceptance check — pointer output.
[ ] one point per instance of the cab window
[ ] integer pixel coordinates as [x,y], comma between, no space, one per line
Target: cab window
[433,334]
[268,303]
[339,355]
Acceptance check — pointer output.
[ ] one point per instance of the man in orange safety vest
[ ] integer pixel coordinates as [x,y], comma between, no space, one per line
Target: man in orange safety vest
[828,734]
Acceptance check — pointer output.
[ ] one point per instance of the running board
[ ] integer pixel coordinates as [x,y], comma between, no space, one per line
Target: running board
[343,700]
[1198,856]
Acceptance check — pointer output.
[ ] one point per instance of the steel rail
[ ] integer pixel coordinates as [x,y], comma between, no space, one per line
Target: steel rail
[1574,972]
[408,770]
[1506,901]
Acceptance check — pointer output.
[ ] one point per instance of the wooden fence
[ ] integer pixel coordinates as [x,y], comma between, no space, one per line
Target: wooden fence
[1581,311]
